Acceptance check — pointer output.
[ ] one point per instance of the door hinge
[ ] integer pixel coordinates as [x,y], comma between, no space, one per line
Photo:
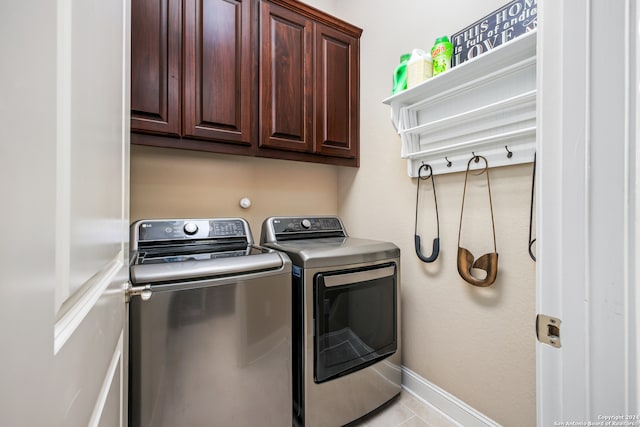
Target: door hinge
[548,330]
[131,291]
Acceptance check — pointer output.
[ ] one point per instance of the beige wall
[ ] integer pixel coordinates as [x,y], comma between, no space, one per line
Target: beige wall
[168,183]
[477,344]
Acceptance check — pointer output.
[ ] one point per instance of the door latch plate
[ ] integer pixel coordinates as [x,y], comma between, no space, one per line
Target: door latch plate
[548,330]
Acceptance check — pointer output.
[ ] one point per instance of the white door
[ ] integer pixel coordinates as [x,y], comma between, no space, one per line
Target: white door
[64,150]
[587,210]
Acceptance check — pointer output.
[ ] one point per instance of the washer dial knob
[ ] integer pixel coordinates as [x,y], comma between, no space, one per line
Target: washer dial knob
[306,224]
[190,228]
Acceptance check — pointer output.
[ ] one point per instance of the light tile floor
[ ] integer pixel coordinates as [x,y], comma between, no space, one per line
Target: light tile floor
[406,411]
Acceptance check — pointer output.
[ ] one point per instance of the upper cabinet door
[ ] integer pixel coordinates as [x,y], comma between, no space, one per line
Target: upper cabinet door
[286,87]
[337,93]
[219,70]
[155,65]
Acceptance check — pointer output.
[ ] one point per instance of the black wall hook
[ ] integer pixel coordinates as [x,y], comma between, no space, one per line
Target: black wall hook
[448,162]
[475,157]
[509,153]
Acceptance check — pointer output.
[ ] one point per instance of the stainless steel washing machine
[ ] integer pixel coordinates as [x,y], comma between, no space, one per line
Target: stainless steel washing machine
[210,326]
[346,319]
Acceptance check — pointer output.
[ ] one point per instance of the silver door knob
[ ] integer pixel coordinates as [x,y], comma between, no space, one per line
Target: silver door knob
[144,292]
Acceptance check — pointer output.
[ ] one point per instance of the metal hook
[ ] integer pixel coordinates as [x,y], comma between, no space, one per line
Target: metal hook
[475,157]
[509,153]
[427,168]
[448,162]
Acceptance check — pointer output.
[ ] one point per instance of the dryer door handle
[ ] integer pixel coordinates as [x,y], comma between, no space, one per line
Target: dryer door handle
[359,276]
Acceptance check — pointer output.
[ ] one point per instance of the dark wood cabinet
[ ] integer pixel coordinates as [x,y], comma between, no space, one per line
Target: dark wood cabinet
[219,77]
[155,65]
[269,78]
[309,84]
[286,79]
[337,93]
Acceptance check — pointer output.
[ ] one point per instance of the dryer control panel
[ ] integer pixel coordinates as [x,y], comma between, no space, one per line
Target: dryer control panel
[289,225]
[287,228]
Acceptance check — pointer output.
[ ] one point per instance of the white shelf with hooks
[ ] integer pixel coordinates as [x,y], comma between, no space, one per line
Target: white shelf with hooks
[485,106]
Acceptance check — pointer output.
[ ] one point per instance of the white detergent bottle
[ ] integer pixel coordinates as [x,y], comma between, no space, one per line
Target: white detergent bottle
[419,67]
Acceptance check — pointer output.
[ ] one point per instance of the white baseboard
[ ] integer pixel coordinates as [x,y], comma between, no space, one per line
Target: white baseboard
[452,407]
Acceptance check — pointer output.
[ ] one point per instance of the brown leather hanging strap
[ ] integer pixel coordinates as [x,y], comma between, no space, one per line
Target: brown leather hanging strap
[487,262]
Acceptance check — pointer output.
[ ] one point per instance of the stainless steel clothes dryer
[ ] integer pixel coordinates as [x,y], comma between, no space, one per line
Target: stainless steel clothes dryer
[346,319]
[210,332]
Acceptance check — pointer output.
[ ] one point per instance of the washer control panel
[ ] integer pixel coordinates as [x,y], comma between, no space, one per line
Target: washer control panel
[191,229]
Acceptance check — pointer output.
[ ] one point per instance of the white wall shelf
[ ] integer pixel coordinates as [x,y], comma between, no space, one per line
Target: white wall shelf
[481,106]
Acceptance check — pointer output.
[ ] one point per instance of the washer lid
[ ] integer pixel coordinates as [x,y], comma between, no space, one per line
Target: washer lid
[209,267]
[335,251]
